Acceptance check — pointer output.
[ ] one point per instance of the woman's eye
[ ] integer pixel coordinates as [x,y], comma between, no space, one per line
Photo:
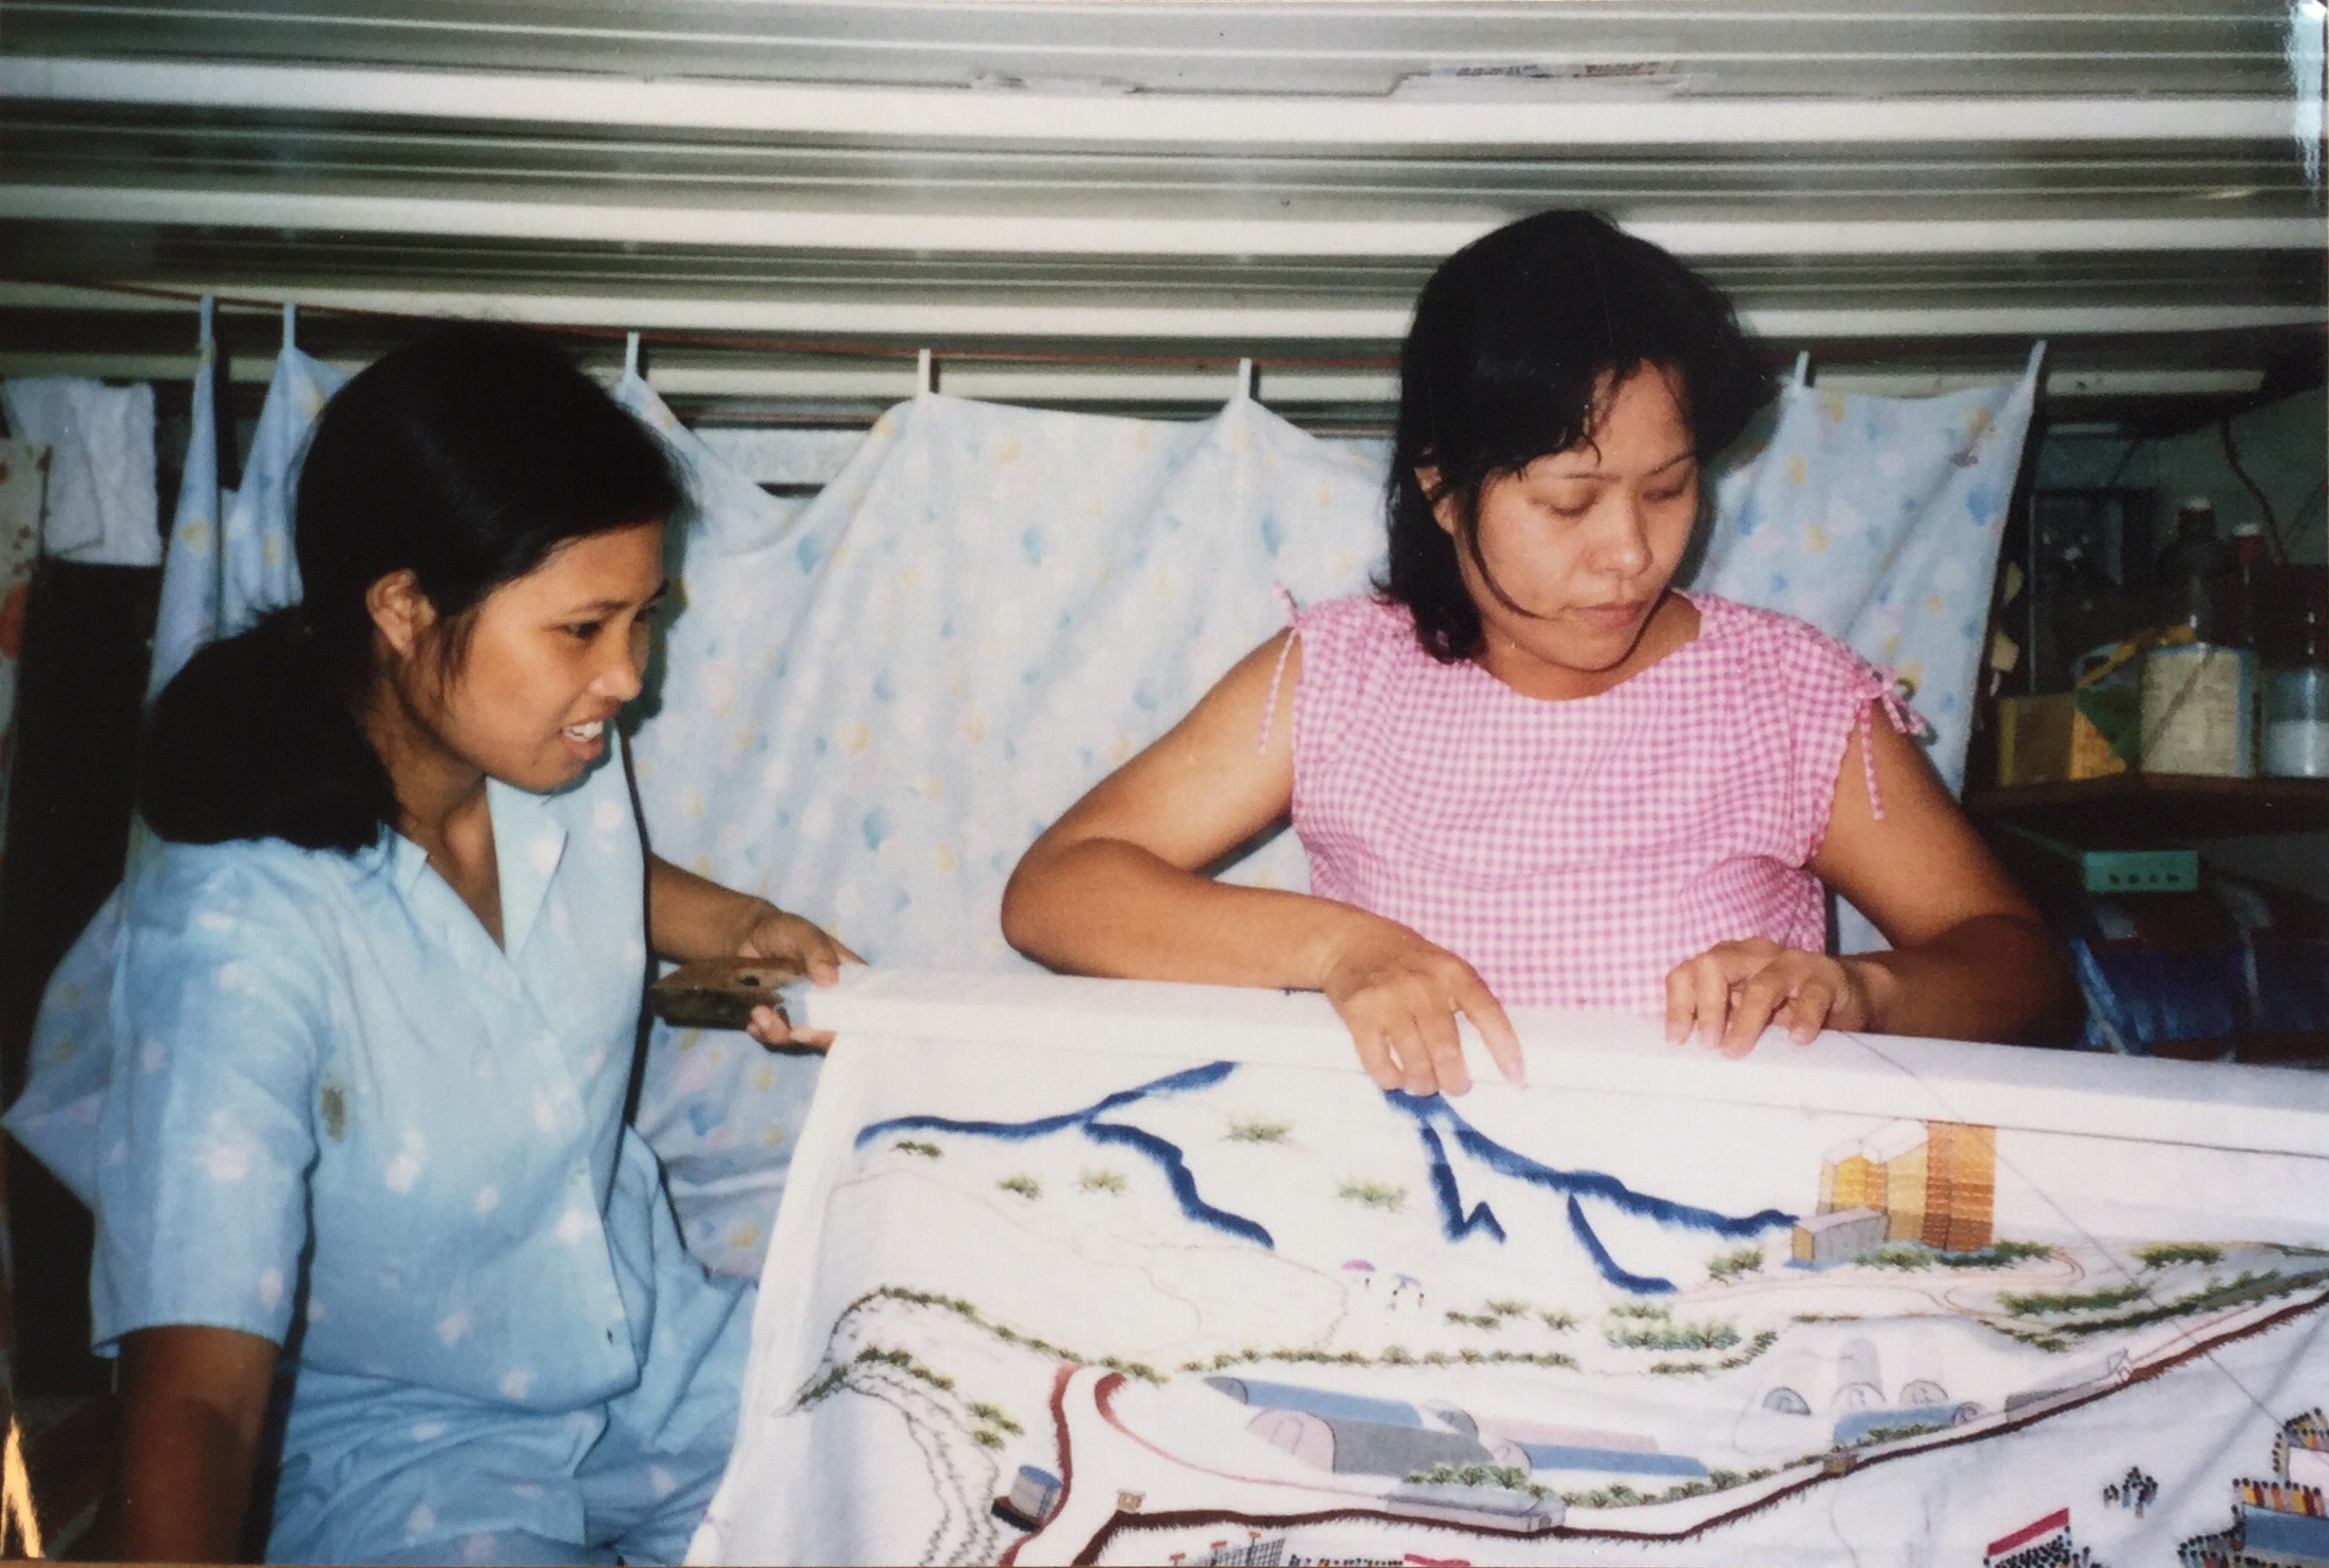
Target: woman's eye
[585,630]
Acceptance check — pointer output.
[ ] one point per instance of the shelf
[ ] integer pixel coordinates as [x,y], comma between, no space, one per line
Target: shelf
[2138,810]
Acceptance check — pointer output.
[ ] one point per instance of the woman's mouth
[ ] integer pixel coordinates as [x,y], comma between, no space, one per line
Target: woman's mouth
[585,741]
[1613,617]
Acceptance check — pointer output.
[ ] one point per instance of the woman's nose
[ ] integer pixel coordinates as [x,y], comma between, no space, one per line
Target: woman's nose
[624,674]
[1625,551]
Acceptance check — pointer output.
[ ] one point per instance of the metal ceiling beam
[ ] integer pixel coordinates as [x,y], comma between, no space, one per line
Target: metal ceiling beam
[1075,384]
[1144,120]
[1331,324]
[1036,234]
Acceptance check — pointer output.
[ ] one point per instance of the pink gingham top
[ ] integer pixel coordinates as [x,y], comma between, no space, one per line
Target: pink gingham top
[1574,851]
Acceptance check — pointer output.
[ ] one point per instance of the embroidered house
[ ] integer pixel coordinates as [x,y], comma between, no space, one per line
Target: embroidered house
[1839,1236]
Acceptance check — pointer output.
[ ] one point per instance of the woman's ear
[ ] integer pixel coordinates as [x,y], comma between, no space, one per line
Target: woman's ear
[400,611]
[1443,506]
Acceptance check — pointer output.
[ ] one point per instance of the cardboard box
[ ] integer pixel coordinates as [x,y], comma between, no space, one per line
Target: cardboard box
[2057,737]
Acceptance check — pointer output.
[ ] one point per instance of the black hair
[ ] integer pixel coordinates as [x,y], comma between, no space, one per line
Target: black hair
[1518,340]
[465,458]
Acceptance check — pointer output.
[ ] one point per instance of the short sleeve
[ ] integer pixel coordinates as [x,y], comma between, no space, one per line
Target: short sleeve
[72,1058]
[1835,693]
[208,1129]
[1337,640]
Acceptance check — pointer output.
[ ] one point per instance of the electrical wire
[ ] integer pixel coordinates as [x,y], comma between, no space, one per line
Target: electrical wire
[2232,458]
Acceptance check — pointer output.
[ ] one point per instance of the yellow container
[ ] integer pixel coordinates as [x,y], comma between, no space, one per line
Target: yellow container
[2050,739]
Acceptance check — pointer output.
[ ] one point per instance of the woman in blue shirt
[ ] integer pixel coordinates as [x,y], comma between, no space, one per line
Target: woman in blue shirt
[362,1155]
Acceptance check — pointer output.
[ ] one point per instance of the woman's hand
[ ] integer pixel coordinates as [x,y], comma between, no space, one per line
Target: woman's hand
[692,917]
[1731,993]
[781,938]
[1399,995]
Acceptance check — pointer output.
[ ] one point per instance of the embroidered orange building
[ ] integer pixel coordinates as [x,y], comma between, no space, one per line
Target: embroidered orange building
[1935,1182]
[1960,1185]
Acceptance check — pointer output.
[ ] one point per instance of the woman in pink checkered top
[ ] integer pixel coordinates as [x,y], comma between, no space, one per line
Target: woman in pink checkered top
[1528,768]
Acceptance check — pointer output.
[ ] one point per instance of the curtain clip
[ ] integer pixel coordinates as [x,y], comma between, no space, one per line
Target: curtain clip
[290,326]
[926,374]
[1245,381]
[630,356]
[1802,370]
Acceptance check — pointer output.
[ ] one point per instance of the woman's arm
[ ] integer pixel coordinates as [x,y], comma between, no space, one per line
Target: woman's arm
[1971,960]
[692,917]
[1113,888]
[193,1403]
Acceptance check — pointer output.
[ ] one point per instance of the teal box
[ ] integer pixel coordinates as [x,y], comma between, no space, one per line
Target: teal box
[2124,870]
[2139,870]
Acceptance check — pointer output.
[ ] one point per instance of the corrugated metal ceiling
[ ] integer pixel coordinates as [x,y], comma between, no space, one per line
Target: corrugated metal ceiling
[1895,185]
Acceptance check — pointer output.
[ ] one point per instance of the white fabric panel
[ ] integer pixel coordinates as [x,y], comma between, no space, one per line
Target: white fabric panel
[188,615]
[782,456]
[102,503]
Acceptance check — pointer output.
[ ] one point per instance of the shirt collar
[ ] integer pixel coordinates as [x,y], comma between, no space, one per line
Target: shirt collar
[529,843]
[406,861]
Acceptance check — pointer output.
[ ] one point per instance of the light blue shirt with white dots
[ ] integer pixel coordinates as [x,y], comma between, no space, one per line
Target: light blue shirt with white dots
[341,1117]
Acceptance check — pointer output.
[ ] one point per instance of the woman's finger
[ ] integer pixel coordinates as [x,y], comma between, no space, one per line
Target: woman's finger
[826,959]
[1476,1001]
[1709,997]
[1808,1008]
[771,1029]
[1416,1076]
[1761,996]
[1374,1055]
[1681,1001]
[1435,1029]
[1692,983]
[1394,1009]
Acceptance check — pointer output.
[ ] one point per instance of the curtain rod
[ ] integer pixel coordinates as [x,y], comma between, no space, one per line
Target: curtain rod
[836,347]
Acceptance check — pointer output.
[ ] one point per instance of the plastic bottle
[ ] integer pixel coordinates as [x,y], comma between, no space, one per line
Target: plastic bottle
[2240,600]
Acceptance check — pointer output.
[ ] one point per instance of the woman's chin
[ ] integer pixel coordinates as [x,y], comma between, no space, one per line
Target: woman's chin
[545,773]
[1594,650]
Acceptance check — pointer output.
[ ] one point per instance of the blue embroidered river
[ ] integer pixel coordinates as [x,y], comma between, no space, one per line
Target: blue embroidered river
[1432,1116]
